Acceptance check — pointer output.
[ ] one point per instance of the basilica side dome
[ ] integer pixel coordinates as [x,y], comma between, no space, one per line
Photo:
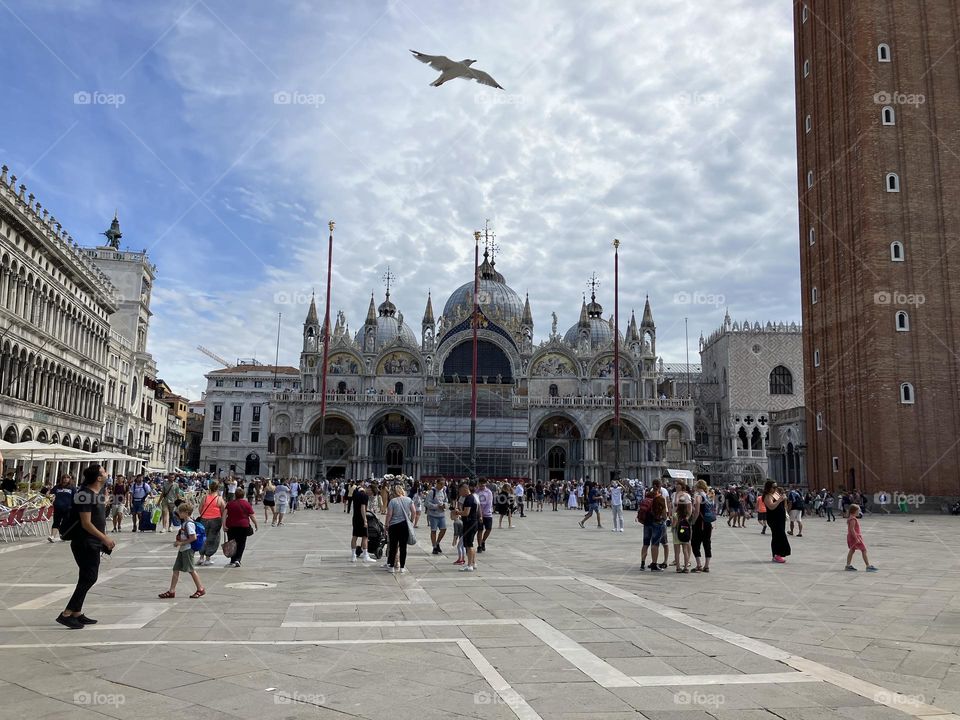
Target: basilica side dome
[389,324]
[592,322]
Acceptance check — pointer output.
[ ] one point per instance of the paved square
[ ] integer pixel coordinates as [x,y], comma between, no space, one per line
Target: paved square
[557,623]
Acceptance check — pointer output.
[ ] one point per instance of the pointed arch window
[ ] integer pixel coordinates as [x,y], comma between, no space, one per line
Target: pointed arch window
[888,116]
[897,253]
[883,53]
[893,183]
[906,394]
[903,321]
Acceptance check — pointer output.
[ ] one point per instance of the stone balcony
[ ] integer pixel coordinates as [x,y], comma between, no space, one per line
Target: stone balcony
[755,454]
[604,402]
[350,398]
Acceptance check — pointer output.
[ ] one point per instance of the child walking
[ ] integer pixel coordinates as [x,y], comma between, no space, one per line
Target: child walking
[458,542]
[855,540]
[184,562]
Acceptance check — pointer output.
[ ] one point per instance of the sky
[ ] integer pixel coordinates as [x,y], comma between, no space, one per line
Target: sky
[227,133]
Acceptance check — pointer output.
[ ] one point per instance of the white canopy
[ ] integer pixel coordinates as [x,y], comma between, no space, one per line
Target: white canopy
[113,455]
[39,451]
[678,474]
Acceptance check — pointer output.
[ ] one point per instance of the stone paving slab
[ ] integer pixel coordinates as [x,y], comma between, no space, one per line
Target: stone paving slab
[348,641]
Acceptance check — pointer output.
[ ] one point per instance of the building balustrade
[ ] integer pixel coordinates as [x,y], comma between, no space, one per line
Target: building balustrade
[351,398]
[603,401]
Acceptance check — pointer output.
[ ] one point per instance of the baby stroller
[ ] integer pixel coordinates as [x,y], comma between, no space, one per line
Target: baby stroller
[376,536]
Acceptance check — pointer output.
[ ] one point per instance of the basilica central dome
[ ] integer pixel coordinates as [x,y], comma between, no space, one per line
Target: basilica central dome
[498,301]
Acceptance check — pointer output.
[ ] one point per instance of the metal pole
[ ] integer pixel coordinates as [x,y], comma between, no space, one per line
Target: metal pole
[473,380]
[276,363]
[686,340]
[325,334]
[616,359]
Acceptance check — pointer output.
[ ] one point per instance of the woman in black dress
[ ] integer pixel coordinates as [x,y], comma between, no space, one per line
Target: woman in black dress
[774,500]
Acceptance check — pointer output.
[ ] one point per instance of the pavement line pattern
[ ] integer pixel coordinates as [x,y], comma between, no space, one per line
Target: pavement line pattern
[398,623]
[600,671]
[511,697]
[731,679]
[312,560]
[349,603]
[872,692]
[63,592]
[21,546]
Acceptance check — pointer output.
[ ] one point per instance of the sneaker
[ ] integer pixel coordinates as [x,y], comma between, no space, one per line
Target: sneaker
[872,568]
[467,568]
[353,558]
[458,562]
[778,559]
[850,568]
[403,571]
[663,566]
[51,539]
[656,568]
[84,620]
[70,621]
[436,549]
[366,557]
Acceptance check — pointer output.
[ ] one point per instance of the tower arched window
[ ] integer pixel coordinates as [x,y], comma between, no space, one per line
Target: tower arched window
[816,358]
[893,182]
[883,53]
[812,235]
[903,321]
[819,421]
[810,178]
[781,381]
[806,68]
[808,124]
[813,295]
[907,396]
[888,115]
[897,253]
[804,14]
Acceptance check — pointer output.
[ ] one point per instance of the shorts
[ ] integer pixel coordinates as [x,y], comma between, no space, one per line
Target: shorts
[437,522]
[458,528]
[593,507]
[137,506]
[735,510]
[488,522]
[359,529]
[654,535]
[469,534]
[795,515]
[281,508]
[184,561]
[117,511]
[269,503]
[762,516]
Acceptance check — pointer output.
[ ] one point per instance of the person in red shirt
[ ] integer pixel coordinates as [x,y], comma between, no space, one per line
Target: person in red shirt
[237,516]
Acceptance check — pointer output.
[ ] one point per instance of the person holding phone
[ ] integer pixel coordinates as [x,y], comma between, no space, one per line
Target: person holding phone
[774,500]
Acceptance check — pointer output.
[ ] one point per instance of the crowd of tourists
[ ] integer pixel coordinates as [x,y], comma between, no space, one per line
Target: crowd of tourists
[211,515]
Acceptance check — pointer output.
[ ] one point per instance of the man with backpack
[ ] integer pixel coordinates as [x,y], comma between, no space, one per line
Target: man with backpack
[436,502]
[652,514]
[796,511]
[137,495]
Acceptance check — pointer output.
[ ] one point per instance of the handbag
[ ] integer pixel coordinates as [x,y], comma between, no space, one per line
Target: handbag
[411,532]
[230,548]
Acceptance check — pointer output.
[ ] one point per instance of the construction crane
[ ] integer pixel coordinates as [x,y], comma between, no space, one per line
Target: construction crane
[212,355]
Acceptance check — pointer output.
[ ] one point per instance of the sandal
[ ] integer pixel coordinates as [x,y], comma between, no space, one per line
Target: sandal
[696,569]
[706,569]
[166,595]
[199,593]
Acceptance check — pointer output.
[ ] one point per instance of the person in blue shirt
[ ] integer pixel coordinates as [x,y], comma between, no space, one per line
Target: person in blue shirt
[62,502]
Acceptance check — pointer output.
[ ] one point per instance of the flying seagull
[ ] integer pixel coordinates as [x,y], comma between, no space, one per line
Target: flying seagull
[451,69]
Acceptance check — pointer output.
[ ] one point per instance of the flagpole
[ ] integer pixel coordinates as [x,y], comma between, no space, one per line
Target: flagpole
[325,334]
[473,377]
[616,358]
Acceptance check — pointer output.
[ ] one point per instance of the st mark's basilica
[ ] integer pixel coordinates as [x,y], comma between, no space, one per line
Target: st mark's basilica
[399,401]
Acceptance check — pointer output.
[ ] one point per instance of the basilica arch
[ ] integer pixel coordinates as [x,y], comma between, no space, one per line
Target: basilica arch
[339,447]
[394,444]
[558,448]
[635,450]
[497,362]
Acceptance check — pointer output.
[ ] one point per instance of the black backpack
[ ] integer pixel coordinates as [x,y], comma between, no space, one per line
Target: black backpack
[683,531]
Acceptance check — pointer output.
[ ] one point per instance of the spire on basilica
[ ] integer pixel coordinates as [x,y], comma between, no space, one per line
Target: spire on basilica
[594,309]
[113,234]
[584,318]
[387,308]
[428,313]
[633,335]
[372,312]
[312,318]
[647,320]
[527,313]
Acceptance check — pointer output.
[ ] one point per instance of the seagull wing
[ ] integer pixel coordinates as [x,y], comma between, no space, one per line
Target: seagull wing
[483,78]
[437,62]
